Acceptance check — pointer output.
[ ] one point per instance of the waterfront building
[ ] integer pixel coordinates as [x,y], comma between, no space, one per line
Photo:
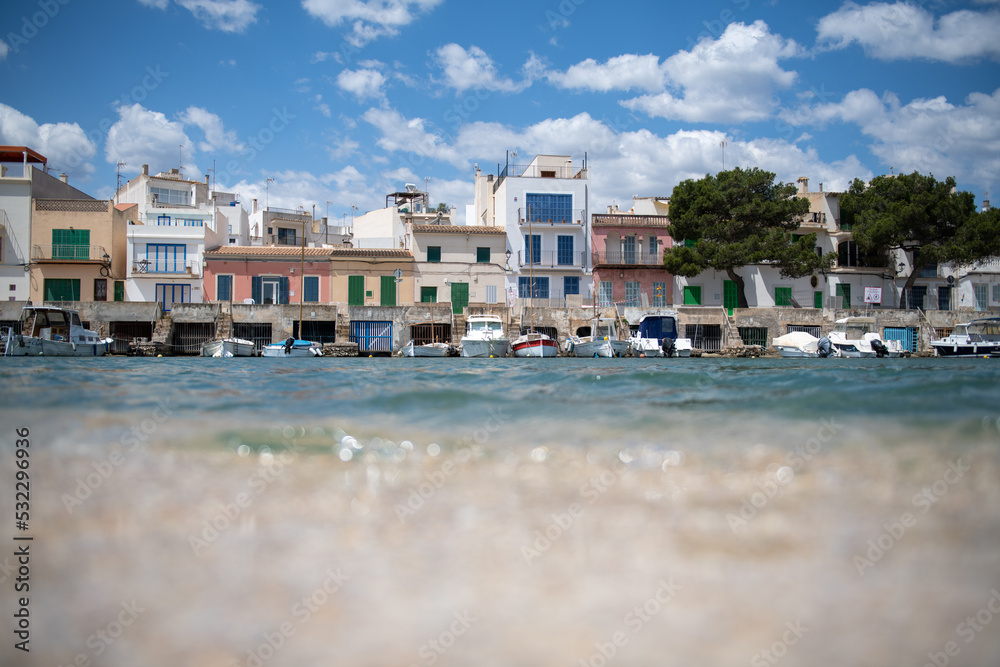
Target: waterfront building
[544,207]
[628,255]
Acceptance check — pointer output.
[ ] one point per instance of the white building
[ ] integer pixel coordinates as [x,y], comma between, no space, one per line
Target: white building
[175,222]
[545,208]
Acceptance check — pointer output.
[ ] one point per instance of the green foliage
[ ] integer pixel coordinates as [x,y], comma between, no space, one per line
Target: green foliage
[739,217]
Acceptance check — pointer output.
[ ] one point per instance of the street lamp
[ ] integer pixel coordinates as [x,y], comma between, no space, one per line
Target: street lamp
[507,267]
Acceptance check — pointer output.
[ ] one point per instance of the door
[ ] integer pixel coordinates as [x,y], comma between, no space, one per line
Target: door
[818,299]
[628,250]
[355,290]
[387,291]
[270,290]
[459,297]
[730,296]
[844,295]
[169,294]
[224,288]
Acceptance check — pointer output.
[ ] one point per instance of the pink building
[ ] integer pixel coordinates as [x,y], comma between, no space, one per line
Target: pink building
[267,274]
[628,259]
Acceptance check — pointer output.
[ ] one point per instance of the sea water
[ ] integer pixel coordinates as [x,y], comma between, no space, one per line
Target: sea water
[507,511]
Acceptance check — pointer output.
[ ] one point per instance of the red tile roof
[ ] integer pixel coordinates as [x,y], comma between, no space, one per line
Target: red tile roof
[457,229]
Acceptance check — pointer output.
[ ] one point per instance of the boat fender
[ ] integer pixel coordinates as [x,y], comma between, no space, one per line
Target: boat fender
[20,340]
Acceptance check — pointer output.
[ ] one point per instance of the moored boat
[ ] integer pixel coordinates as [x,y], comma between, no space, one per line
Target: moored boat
[657,337]
[293,348]
[857,337]
[604,342]
[534,344]
[228,347]
[484,337]
[426,350]
[978,338]
[800,344]
[55,332]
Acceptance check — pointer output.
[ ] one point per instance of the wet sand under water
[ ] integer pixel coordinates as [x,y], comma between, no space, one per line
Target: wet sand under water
[515,553]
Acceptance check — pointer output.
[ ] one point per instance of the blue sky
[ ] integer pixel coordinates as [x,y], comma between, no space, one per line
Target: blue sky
[345,101]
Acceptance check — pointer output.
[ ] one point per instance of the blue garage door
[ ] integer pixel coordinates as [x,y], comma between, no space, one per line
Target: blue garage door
[372,336]
[907,336]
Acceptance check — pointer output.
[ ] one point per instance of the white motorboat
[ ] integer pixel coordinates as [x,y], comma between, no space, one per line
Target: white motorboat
[978,338]
[426,350]
[228,347]
[603,342]
[535,344]
[55,332]
[657,337]
[484,337]
[858,337]
[799,345]
[293,348]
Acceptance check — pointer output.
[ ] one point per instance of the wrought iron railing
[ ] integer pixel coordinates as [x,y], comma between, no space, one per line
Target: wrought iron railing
[551,258]
[628,258]
[93,253]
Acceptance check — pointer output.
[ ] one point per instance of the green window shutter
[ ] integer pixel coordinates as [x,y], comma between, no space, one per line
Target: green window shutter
[782,296]
[355,290]
[387,291]
[483,255]
[62,289]
[689,243]
[428,294]
[818,299]
[433,253]
[692,295]
[119,290]
[844,294]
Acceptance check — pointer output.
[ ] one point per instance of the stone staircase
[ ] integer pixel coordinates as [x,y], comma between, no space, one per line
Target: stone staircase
[343,332]
[730,333]
[162,333]
[457,328]
[224,322]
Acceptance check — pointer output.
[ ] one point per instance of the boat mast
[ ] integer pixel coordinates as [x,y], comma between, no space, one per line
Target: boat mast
[531,275]
[302,278]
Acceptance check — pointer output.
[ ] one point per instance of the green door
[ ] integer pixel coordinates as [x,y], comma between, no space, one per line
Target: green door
[818,299]
[428,294]
[459,297]
[387,291]
[730,297]
[355,290]
[692,295]
[844,292]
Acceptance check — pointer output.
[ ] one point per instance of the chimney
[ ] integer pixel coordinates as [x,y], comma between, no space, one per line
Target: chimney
[206,179]
[803,185]
[821,187]
[254,205]
[986,205]
[145,170]
[64,178]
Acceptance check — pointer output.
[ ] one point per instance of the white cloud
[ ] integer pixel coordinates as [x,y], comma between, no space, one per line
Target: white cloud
[362,83]
[472,69]
[216,136]
[322,106]
[156,4]
[412,135]
[625,72]
[369,19]
[4,50]
[141,136]
[728,80]
[224,15]
[904,31]
[66,145]
[928,135]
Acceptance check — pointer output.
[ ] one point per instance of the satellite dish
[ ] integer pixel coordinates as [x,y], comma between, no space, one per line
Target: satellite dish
[951,280]
[398,273]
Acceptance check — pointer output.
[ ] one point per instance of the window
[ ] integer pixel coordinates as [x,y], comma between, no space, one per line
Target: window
[286,236]
[70,244]
[564,244]
[571,284]
[191,222]
[782,296]
[428,294]
[628,250]
[433,253]
[310,289]
[654,246]
[533,246]
[917,296]
[689,243]
[100,289]
[483,255]
[844,295]
[62,289]
[491,294]
[944,298]
[996,292]
[549,208]
[540,290]
[169,294]
[269,289]
[659,294]
[119,290]
[171,197]
[605,293]
[692,295]
[163,220]
[632,293]
[848,254]
[166,257]
[223,288]
[981,296]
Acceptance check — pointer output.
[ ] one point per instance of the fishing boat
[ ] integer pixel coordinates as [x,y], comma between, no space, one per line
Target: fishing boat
[484,337]
[857,337]
[293,348]
[228,347]
[426,350]
[604,342]
[534,344]
[800,345]
[55,332]
[978,338]
[657,337]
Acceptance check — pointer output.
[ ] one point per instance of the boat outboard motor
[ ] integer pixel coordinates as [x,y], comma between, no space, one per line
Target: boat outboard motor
[669,347]
[824,348]
[289,342]
[880,349]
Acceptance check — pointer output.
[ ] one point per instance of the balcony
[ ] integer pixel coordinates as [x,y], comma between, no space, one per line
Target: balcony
[629,220]
[535,170]
[160,266]
[69,253]
[553,259]
[627,258]
[575,219]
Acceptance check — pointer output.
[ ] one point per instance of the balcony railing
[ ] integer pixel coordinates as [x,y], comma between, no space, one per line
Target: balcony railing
[64,252]
[628,258]
[190,267]
[552,259]
[629,220]
[576,217]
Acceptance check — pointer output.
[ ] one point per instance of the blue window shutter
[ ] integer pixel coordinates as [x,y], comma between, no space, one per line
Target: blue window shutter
[256,289]
[283,290]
